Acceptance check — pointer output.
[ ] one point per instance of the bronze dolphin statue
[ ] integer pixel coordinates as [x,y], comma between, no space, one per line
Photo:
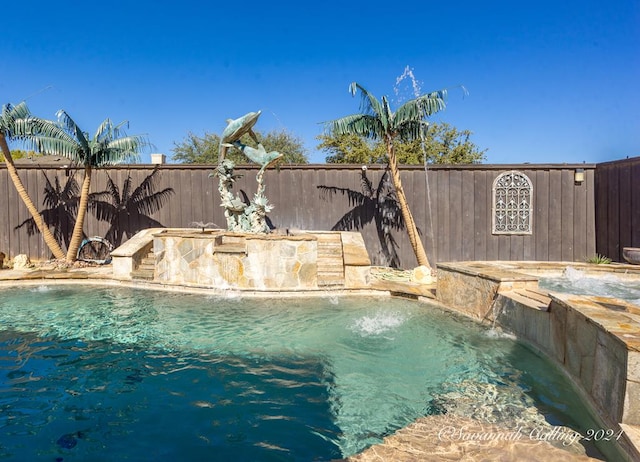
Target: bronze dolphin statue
[260,155]
[236,129]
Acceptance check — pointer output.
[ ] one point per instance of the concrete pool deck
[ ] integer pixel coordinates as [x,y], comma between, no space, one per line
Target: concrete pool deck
[595,341]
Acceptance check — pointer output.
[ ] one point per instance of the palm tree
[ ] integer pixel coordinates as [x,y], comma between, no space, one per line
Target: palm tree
[378,205]
[109,146]
[408,123]
[14,123]
[62,205]
[128,211]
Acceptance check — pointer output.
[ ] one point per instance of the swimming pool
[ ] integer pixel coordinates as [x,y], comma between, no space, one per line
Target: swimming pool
[603,284]
[104,373]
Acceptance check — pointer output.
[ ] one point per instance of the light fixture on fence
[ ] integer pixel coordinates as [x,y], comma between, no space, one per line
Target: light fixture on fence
[578,176]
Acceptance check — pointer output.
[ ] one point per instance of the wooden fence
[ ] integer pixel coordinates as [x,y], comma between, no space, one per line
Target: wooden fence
[452,206]
[617,203]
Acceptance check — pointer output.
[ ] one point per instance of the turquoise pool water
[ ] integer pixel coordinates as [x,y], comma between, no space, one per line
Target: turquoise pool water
[91,373]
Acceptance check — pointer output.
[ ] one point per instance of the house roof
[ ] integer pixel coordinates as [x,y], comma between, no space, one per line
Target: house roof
[48,161]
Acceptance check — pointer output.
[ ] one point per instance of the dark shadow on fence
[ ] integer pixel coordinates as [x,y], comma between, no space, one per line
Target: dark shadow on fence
[377,205]
[126,209]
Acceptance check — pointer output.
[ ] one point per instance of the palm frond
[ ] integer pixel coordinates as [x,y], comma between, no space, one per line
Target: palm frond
[104,131]
[118,129]
[364,125]
[421,107]
[386,117]
[10,115]
[118,151]
[369,104]
[49,138]
[410,130]
[72,127]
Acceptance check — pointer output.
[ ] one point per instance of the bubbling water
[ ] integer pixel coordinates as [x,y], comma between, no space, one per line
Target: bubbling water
[579,282]
[378,323]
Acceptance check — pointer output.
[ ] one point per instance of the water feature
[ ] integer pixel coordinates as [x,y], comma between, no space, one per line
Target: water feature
[579,282]
[111,373]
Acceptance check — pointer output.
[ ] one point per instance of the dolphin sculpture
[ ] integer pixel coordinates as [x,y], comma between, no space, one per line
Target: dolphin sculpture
[236,129]
[260,155]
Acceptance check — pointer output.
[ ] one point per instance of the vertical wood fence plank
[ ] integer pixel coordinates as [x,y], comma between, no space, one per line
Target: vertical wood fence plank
[580,227]
[624,233]
[567,193]
[468,223]
[444,253]
[634,208]
[613,205]
[481,215]
[455,214]
[555,215]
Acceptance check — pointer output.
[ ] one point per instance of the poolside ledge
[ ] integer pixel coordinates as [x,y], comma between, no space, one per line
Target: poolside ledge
[594,340]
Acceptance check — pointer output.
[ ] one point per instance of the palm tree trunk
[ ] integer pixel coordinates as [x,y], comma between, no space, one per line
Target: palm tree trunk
[410,225]
[78,233]
[47,235]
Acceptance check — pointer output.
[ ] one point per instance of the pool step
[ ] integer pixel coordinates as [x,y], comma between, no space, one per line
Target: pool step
[145,270]
[330,260]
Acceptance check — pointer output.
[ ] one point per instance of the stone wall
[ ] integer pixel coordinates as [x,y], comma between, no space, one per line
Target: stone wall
[596,340]
[265,262]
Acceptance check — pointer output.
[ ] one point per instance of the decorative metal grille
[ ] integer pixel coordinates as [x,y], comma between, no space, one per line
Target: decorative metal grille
[512,207]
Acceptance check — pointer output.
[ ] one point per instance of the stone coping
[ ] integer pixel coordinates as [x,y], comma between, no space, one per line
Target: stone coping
[208,234]
[595,340]
[531,270]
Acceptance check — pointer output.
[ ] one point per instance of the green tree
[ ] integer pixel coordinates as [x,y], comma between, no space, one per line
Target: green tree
[108,146]
[204,150]
[15,122]
[443,144]
[19,154]
[376,121]
[350,148]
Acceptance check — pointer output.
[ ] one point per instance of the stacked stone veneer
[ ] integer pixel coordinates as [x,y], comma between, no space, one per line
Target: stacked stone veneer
[596,340]
[266,262]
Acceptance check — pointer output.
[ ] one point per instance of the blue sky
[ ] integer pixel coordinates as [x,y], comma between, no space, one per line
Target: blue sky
[547,81]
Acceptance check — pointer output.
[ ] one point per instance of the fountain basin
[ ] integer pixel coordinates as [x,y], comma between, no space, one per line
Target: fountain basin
[304,260]
[631,255]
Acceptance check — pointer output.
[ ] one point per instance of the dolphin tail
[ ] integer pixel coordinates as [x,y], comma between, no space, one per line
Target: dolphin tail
[253,135]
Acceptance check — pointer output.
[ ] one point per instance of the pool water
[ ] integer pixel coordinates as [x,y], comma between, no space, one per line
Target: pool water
[578,282]
[103,373]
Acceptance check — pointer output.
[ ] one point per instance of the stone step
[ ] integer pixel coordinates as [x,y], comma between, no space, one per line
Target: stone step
[325,281]
[330,262]
[146,268]
[231,247]
[142,274]
[147,263]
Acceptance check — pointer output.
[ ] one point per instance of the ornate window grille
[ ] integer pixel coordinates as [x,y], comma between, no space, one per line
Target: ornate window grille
[512,206]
